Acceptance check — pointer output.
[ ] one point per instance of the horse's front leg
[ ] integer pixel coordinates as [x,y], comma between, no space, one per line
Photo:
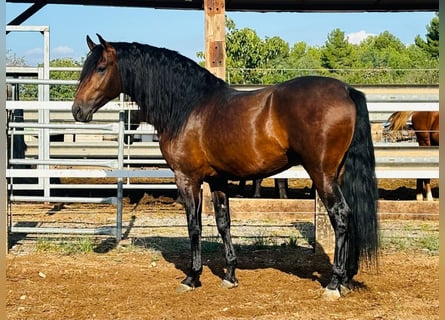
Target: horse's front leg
[222,216]
[190,191]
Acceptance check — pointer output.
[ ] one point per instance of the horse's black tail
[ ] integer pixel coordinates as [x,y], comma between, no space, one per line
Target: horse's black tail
[359,187]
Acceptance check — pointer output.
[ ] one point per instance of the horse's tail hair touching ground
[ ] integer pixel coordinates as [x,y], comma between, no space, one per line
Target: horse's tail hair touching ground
[359,187]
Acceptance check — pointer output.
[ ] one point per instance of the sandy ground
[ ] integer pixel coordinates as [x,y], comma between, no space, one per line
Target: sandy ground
[138,278]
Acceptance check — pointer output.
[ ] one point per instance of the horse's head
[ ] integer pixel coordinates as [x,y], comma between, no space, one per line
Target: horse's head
[100,80]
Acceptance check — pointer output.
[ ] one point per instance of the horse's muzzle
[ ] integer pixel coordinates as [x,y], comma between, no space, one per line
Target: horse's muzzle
[79,113]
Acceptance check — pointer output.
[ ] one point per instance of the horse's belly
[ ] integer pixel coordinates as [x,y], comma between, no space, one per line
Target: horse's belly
[243,164]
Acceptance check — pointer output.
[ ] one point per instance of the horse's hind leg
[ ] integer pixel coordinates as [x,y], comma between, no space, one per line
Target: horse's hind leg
[281,186]
[222,216]
[429,194]
[257,188]
[424,184]
[241,188]
[190,192]
[339,213]
[419,189]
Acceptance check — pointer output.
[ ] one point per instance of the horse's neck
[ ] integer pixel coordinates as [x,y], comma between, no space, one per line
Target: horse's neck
[166,93]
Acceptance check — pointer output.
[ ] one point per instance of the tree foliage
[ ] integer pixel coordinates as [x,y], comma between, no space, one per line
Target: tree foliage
[337,51]
[249,55]
[431,45]
[380,59]
[63,92]
[56,92]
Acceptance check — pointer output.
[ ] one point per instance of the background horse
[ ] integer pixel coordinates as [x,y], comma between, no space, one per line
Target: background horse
[210,132]
[281,187]
[426,127]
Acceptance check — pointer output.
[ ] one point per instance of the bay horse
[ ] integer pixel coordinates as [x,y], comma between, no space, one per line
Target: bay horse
[426,128]
[210,132]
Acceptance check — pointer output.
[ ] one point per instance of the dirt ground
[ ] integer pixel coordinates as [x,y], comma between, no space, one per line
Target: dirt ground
[137,279]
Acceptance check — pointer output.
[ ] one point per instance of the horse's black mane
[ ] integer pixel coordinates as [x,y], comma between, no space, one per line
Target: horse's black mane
[166,85]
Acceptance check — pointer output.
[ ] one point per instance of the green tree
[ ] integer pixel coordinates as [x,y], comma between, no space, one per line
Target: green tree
[276,54]
[305,58]
[63,92]
[337,51]
[431,45]
[381,59]
[57,92]
[248,56]
[244,53]
[389,60]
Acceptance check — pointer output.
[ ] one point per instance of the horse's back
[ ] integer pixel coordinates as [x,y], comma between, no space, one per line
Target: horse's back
[265,131]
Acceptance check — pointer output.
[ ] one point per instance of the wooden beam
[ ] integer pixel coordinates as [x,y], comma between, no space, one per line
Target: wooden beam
[215,37]
[26,14]
[215,61]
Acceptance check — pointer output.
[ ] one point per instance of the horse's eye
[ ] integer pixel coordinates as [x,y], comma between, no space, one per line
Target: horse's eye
[100,69]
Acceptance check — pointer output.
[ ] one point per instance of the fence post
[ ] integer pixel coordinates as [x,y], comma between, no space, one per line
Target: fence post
[215,37]
[120,185]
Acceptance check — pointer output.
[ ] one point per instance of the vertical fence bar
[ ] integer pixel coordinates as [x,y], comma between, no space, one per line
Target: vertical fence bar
[44,115]
[44,136]
[120,161]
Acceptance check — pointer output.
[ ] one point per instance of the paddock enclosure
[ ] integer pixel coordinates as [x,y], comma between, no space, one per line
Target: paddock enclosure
[78,188]
[48,171]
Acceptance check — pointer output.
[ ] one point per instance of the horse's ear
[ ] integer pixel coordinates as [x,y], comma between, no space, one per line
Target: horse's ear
[102,41]
[109,50]
[90,43]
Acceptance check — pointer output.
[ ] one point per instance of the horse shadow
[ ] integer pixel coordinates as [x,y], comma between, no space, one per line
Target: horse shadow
[300,261]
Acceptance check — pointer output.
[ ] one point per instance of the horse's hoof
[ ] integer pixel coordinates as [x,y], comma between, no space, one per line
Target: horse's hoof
[331,295]
[228,284]
[183,288]
[344,290]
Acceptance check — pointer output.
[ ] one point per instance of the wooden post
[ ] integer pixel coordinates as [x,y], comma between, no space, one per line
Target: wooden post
[215,60]
[324,234]
[215,37]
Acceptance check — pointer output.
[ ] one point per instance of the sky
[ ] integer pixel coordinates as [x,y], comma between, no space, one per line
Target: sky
[183,30]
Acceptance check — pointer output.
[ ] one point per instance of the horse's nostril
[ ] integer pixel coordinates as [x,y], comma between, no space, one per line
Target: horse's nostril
[77,112]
